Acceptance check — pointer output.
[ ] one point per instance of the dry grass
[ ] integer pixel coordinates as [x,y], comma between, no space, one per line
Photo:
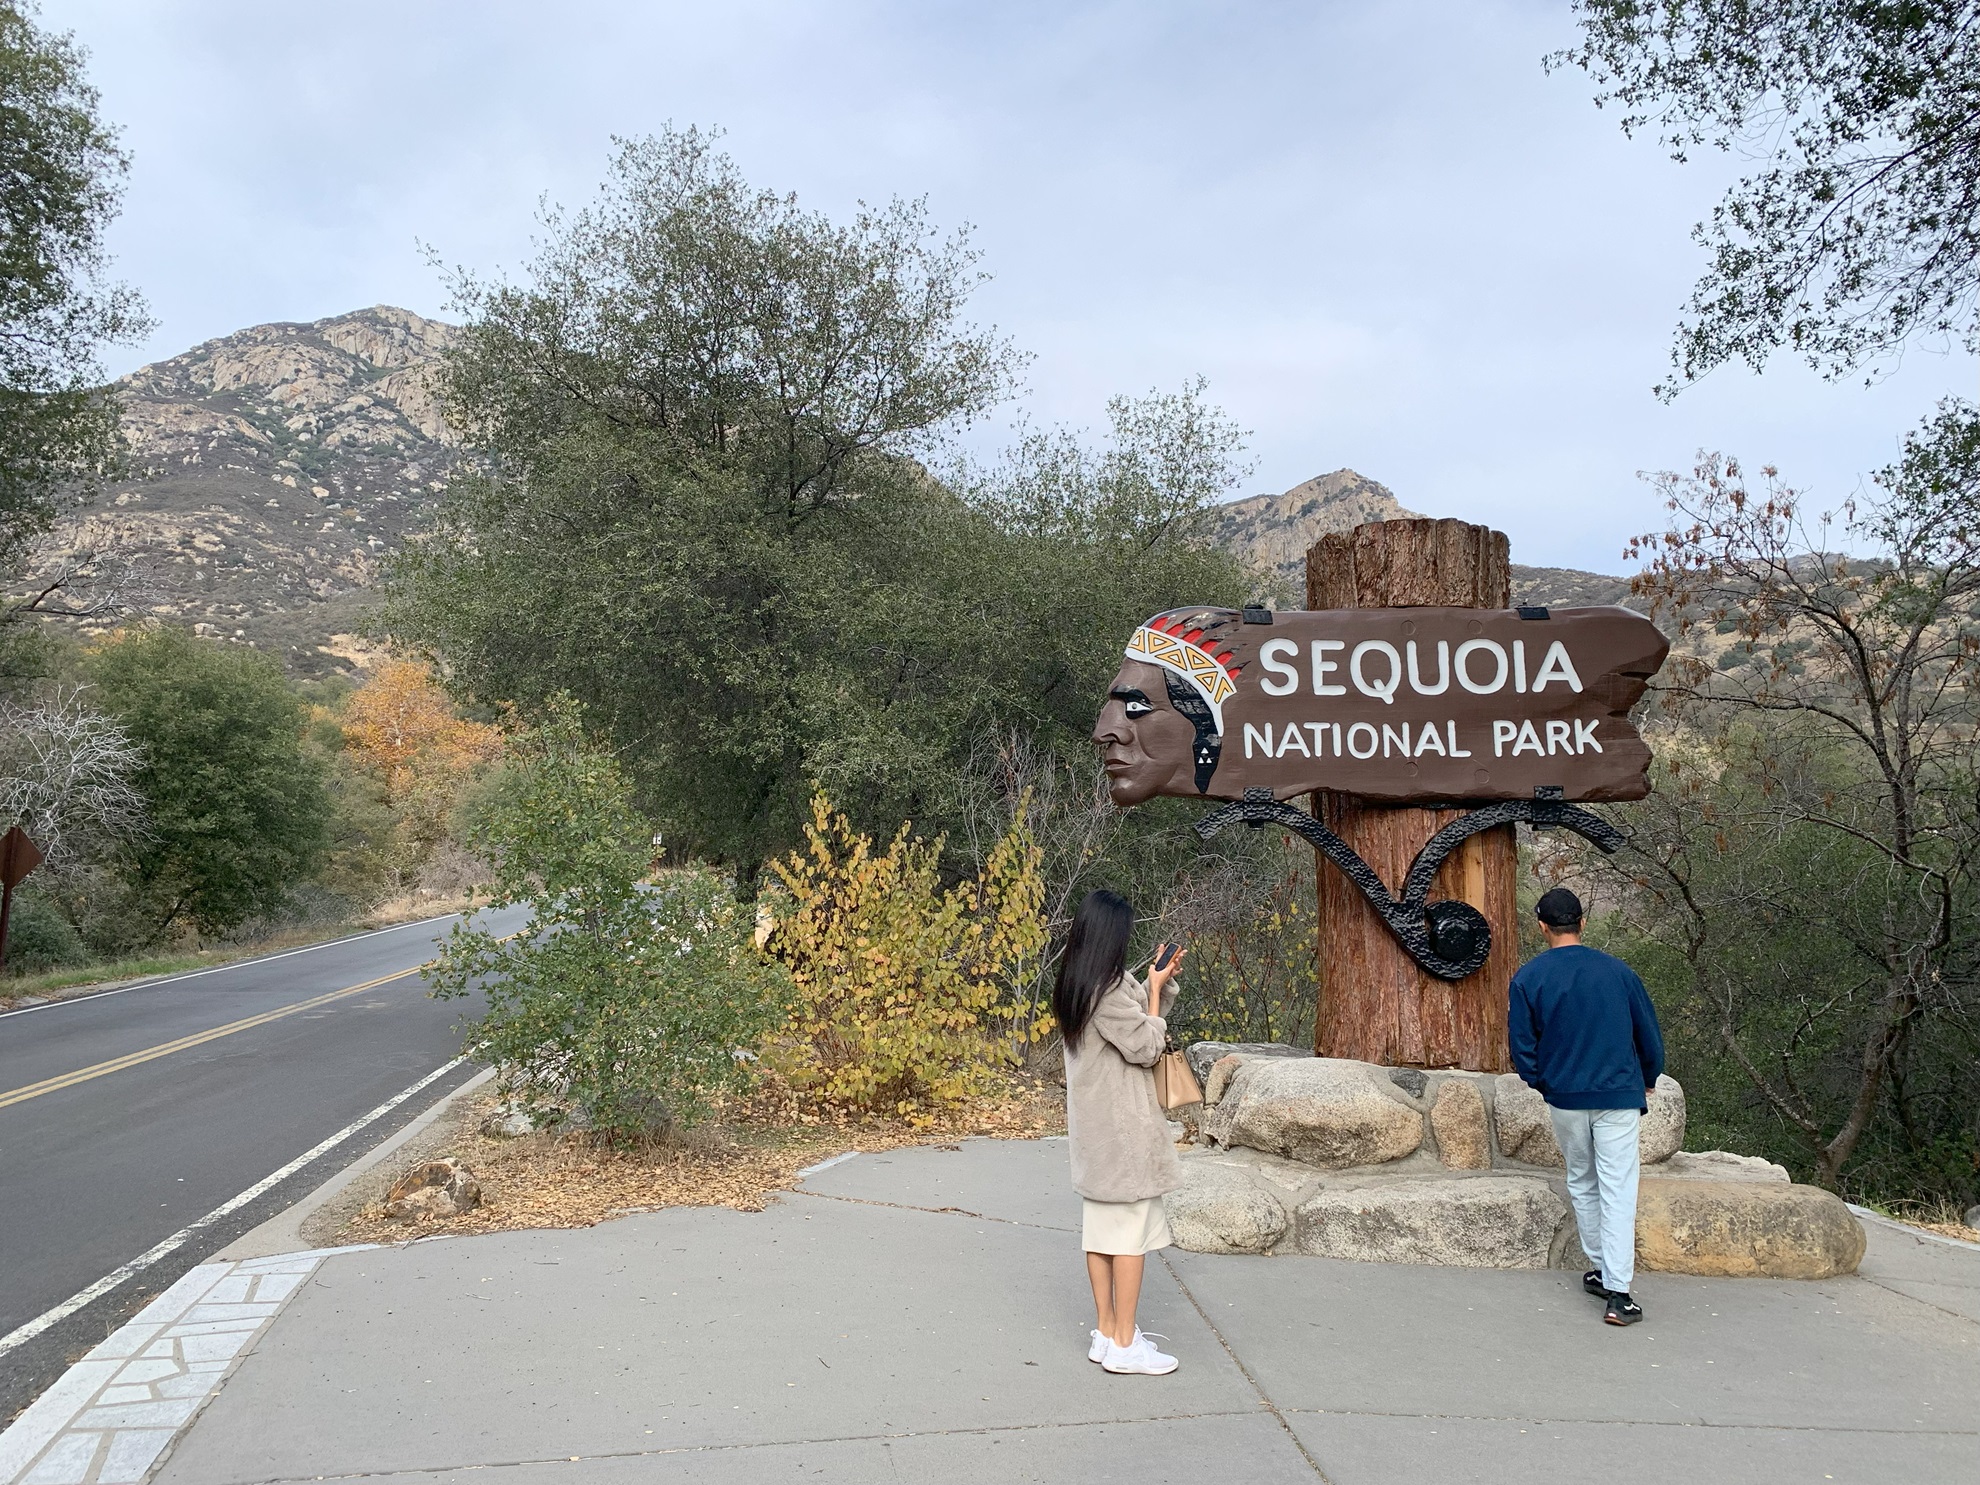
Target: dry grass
[737,1160]
[66,984]
[88,979]
[1945,1218]
[410,907]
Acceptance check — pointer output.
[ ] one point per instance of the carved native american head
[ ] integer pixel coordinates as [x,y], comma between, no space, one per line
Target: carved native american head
[1162,729]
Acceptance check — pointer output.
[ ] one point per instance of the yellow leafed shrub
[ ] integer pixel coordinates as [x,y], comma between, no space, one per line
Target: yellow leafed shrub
[905,992]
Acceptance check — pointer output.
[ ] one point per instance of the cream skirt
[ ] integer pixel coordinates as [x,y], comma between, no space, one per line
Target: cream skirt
[1125,1227]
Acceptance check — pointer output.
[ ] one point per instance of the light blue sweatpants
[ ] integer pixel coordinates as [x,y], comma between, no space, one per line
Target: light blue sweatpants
[1599,1148]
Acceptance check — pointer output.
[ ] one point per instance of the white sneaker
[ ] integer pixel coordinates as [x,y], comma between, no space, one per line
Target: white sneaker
[1139,1359]
[1097,1351]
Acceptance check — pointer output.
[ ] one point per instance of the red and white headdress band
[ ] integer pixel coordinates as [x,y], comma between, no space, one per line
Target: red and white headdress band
[1179,648]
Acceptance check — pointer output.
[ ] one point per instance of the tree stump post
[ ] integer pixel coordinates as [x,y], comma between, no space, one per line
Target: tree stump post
[1375,1004]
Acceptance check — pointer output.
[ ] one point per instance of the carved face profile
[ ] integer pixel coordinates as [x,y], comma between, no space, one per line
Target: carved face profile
[1144,742]
[1162,729]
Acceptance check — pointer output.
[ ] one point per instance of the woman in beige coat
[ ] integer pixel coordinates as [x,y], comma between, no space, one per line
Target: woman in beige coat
[1123,1157]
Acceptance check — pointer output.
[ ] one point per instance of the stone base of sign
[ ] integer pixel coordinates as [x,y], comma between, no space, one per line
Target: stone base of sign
[1202,1056]
[1338,1159]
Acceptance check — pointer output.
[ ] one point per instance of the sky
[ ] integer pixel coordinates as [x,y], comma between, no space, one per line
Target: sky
[1390,239]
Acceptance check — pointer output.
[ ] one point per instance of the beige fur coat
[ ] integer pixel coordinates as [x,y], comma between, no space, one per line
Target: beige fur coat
[1121,1145]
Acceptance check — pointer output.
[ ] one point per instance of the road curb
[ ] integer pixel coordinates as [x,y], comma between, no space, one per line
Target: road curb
[282,1233]
[1864,1214]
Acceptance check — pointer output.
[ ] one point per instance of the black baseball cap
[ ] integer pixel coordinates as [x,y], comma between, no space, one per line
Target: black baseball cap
[1558,908]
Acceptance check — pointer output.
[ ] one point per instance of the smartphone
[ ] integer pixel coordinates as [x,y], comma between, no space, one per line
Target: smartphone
[1162,959]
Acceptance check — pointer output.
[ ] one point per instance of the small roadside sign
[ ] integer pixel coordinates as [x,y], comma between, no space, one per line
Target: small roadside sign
[18,856]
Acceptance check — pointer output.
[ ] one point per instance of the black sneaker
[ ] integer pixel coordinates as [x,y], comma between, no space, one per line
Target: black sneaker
[1591,1283]
[1622,1310]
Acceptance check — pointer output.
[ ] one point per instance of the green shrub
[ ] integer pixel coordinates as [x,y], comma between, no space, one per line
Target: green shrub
[633,1001]
[40,938]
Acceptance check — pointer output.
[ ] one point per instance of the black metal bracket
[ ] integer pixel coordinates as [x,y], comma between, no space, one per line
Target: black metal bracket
[1449,939]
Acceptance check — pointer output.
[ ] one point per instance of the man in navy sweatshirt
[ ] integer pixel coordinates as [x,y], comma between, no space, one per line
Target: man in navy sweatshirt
[1585,1036]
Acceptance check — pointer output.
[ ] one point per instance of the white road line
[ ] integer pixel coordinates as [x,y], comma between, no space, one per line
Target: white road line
[178,1239]
[195,974]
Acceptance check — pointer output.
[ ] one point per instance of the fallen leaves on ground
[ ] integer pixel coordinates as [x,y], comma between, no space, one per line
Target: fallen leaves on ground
[737,1161]
[1947,1229]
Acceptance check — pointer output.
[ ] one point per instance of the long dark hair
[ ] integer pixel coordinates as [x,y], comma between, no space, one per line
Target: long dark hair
[1094,959]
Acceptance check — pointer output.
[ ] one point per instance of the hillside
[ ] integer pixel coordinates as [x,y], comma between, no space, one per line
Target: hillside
[275,466]
[1273,532]
[1569,587]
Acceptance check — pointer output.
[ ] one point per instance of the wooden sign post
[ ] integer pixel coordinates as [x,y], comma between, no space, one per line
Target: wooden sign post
[18,856]
[1424,716]
[1375,1003]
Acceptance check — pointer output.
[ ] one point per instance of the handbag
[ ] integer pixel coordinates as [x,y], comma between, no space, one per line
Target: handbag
[1175,1084]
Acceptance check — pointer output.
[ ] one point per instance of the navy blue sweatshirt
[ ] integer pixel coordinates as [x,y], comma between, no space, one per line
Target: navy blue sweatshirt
[1583,1031]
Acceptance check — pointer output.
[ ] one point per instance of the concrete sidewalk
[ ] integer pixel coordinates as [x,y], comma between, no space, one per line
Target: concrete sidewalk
[921,1315]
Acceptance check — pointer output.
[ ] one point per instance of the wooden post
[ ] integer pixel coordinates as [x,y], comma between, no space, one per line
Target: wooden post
[1375,1004]
[18,857]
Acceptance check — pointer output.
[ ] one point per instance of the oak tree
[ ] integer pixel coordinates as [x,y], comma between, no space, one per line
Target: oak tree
[1809,857]
[708,506]
[1858,226]
[61,172]
[237,807]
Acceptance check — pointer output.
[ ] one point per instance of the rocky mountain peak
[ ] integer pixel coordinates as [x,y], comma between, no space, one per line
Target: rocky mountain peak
[347,379]
[1274,531]
[273,468]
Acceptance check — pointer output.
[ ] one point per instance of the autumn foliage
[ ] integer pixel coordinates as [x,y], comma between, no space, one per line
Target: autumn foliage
[404,728]
[401,728]
[905,991]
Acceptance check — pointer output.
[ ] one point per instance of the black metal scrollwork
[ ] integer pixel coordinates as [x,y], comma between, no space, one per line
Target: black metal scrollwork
[1449,939]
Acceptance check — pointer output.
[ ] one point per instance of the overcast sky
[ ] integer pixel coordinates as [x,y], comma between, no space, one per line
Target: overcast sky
[1389,239]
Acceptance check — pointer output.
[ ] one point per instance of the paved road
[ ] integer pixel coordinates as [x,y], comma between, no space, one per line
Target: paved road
[127,1116]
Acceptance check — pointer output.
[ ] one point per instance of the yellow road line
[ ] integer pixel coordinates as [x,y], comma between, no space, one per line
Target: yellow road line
[132,1059]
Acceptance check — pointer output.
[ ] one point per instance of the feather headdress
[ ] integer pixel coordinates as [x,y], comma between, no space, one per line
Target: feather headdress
[1188,643]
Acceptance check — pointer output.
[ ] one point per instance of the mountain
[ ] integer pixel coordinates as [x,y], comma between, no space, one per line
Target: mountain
[1272,532]
[274,468]
[1570,587]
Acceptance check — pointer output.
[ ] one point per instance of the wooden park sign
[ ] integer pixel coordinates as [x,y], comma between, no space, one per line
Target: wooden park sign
[1424,728]
[1407,705]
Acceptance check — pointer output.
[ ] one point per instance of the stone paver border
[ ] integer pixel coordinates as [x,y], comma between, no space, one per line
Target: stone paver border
[109,1418]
